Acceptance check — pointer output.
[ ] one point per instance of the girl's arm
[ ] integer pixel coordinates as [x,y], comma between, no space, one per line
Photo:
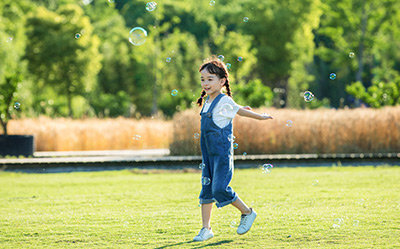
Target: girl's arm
[247,112]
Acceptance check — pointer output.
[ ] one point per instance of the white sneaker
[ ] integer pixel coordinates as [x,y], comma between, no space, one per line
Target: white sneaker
[246,221]
[204,234]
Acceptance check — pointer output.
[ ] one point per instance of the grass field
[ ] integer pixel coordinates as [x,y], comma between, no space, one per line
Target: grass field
[130,209]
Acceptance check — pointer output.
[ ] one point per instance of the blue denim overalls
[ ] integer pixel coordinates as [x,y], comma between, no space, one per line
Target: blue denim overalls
[217,151]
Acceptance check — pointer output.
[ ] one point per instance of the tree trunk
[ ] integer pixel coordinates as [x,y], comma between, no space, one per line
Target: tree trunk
[154,107]
[4,125]
[364,19]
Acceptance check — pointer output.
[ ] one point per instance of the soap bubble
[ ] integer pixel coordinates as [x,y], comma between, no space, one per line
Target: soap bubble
[136,137]
[336,226]
[308,96]
[245,19]
[9,39]
[228,65]
[212,2]
[235,146]
[338,221]
[226,109]
[351,54]
[332,76]
[202,166]
[174,92]
[205,180]
[289,123]
[361,201]
[150,6]
[233,224]
[137,36]
[168,59]
[110,1]
[240,58]
[231,138]
[356,223]
[196,135]
[315,182]
[77,36]
[245,153]
[266,168]
[221,57]
[17,105]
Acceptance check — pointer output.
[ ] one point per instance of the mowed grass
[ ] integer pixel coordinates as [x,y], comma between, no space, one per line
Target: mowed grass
[129,209]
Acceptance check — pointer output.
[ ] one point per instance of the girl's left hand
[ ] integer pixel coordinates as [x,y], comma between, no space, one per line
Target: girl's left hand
[266,116]
[247,107]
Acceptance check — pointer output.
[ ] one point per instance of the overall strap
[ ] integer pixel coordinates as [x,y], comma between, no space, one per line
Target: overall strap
[215,102]
[204,105]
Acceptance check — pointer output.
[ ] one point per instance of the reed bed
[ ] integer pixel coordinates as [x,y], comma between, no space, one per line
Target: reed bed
[313,131]
[65,134]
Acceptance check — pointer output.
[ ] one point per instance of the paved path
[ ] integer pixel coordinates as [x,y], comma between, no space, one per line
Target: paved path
[160,159]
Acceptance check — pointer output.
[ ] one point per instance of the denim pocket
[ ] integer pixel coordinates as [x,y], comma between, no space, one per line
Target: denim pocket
[213,143]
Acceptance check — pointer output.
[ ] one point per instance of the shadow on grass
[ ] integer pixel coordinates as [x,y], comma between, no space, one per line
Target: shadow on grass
[196,243]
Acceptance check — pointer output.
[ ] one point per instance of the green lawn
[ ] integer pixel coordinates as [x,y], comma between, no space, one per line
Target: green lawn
[124,209]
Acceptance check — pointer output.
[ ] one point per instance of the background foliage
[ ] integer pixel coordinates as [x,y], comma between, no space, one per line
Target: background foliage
[287,47]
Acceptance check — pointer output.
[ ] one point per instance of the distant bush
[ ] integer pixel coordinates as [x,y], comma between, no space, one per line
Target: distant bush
[312,131]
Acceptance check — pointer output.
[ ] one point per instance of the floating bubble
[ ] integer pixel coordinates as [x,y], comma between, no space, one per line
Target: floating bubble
[137,36]
[174,92]
[228,65]
[266,168]
[221,57]
[202,166]
[338,221]
[235,146]
[9,39]
[315,182]
[150,6]
[356,223]
[226,109]
[110,1]
[245,19]
[336,226]
[77,36]
[231,138]
[17,105]
[233,224]
[240,58]
[361,201]
[332,76]
[196,135]
[136,137]
[245,153]
[205,180]
[87,2]
[212,2]
[308,96]
[168,59]
[351,54]
[289,123]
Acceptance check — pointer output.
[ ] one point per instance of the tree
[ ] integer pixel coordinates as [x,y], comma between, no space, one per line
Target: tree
[57,59]
[12,44]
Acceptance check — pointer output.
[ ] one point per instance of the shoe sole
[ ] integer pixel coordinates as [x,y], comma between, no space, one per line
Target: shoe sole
[203,240]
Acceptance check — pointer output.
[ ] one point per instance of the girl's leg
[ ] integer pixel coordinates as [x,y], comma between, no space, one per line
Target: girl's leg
[206,214]
[239,204]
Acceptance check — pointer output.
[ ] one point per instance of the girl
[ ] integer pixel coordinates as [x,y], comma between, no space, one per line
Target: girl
[216,144]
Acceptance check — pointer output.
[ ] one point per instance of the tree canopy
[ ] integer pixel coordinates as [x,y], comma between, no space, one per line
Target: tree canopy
[74,58]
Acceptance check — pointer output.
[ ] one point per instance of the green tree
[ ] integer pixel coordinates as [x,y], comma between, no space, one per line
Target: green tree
[59,60]
[12,45]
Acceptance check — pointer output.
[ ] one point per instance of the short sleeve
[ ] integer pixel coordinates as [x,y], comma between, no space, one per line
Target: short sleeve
[228,107]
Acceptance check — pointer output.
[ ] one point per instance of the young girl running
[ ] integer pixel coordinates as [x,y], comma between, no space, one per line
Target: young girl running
[217,147]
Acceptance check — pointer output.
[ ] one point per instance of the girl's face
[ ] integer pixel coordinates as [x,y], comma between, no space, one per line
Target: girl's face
[211,83]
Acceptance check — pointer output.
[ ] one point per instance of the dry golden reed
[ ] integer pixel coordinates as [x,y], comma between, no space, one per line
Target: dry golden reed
[313,131]
[65,134]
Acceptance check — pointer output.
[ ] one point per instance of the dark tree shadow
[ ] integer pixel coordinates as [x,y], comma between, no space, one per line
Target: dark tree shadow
[197,244]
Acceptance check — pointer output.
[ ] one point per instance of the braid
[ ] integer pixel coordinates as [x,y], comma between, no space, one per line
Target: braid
[228,88]
[200,100]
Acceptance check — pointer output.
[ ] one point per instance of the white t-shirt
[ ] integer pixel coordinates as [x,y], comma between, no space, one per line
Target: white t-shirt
[224,111]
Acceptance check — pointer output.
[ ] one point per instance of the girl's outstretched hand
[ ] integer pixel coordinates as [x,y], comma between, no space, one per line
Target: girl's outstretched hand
[247,107]
[266,116]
